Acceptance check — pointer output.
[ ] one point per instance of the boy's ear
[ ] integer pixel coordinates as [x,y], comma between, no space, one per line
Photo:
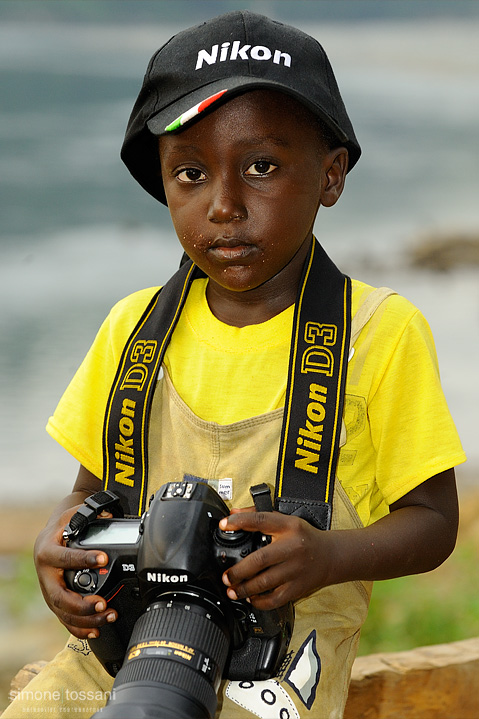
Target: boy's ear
[335,167]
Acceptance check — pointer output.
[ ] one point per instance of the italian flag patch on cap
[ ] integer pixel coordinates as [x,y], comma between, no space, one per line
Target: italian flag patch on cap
[194,111]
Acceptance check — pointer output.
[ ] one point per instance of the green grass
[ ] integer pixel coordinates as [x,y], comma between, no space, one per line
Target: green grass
[19,589]
[434,608]
[28,630]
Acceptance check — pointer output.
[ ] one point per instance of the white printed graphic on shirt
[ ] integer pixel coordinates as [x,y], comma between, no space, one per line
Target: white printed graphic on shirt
[305,670]
[267,699]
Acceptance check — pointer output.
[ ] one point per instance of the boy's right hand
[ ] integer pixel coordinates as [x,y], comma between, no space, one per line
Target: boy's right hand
[81,615]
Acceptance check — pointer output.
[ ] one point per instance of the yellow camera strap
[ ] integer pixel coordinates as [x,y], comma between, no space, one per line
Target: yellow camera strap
[125,429]
[314,399]
[313,410]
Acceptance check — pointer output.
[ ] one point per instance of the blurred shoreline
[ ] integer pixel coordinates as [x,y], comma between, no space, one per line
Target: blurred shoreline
[78,233]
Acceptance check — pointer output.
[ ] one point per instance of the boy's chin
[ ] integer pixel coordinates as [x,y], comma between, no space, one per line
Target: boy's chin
[234,281]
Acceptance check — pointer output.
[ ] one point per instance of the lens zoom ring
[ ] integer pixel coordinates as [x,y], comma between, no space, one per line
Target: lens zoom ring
[182,626]
[174,674]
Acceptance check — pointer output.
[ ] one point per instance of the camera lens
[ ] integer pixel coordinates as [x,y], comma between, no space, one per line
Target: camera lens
[174,663]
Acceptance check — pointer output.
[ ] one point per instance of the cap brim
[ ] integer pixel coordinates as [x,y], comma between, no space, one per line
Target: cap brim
[232,86]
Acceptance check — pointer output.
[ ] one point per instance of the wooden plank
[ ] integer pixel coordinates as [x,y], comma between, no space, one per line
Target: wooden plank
[437,682]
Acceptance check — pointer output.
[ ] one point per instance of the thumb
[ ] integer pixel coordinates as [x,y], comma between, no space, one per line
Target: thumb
[237,510]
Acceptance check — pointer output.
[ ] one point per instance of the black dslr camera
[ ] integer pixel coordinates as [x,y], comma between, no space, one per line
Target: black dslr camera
[177,633]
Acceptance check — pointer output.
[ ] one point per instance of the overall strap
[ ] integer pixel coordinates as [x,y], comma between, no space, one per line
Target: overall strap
[311,431]
[367,309]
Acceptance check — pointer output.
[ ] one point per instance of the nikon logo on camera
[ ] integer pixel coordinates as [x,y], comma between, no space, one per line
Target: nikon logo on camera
[163,578]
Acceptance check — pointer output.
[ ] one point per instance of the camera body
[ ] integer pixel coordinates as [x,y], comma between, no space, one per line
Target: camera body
[170,563]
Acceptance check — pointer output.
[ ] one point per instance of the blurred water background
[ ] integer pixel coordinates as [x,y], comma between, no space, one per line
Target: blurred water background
[77,233]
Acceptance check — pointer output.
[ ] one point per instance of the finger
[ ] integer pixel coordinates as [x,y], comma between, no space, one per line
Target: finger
[278,552]
[85,613]
[238,510]
[265,522]
[86,627]
[276,598]
[66,558]
[74,624]
[66,602]
[266,581]
[83,633]
[247,568]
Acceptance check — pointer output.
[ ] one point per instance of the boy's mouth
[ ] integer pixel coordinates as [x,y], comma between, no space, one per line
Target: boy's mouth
[226,249]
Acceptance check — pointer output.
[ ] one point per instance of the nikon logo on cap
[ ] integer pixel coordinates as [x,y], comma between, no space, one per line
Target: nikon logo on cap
[236,51]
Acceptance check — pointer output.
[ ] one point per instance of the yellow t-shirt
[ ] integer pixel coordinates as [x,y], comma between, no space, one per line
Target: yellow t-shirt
[399,430]
[242,370]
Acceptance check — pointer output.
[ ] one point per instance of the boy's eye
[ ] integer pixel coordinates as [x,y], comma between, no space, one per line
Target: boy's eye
[190,174]
[262,167]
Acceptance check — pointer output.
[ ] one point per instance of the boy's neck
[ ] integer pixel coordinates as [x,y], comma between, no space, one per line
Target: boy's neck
[247,308]
[260,304]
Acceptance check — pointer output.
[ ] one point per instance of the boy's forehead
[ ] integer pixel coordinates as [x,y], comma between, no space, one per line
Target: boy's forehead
[254,117]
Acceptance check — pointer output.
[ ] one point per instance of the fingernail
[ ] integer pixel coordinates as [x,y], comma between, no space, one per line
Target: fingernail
[100,606]
[101,559]
[92,635]
[223,523]
[226,580]
[232,594]
[111,617]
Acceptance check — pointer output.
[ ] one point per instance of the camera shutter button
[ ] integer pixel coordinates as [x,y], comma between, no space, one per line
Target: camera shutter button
[228,537]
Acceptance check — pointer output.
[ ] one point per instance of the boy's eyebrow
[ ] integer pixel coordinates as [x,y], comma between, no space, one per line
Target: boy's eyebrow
[260,139]
[250,140]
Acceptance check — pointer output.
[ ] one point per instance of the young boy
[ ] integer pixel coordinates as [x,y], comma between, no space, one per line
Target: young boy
[240,129]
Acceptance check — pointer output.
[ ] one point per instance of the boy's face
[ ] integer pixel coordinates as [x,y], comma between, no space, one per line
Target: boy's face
[244,184]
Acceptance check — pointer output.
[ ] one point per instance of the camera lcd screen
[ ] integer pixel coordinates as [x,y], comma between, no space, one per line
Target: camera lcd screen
[113,533]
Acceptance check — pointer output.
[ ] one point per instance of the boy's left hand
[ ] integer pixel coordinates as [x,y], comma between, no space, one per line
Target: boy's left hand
[416,536]
[288,568]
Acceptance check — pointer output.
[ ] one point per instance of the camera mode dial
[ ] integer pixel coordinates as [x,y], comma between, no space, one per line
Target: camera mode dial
[85,581]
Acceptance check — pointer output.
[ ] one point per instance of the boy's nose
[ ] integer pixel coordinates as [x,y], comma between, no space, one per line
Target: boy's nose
[226,206]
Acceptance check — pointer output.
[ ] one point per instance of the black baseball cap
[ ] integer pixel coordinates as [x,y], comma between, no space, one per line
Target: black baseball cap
[206,65]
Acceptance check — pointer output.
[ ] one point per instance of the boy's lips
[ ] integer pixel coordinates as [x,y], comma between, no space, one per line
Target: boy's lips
[227,249]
